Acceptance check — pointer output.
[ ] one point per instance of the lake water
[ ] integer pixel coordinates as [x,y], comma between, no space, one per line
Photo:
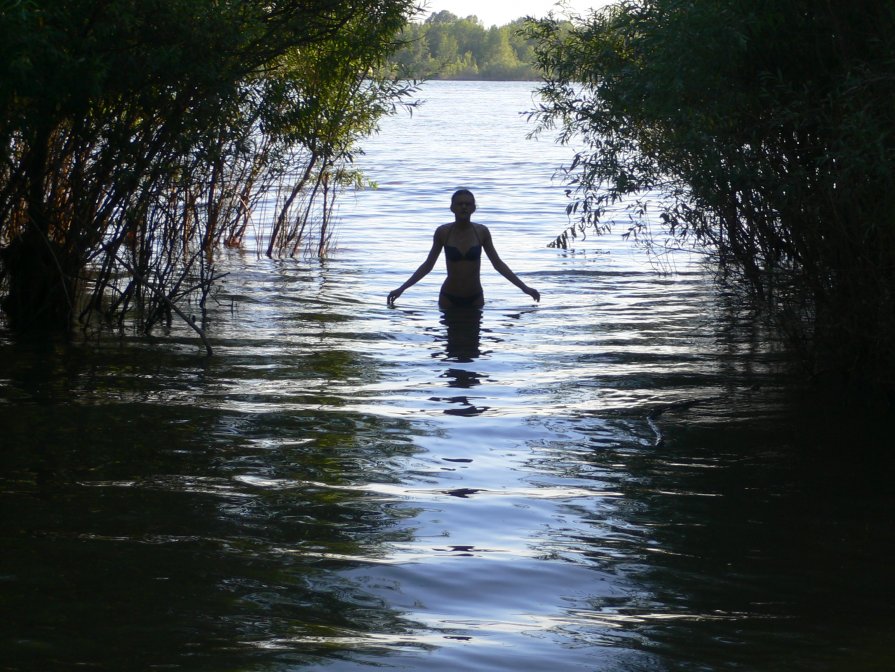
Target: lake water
[616,479]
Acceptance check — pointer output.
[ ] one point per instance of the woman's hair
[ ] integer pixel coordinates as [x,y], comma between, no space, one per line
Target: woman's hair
[462,192]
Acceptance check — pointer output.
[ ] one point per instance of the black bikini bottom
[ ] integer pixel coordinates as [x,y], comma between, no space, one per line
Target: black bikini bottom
[462,301]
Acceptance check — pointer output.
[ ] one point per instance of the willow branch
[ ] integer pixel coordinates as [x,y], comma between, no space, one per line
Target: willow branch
[191,321]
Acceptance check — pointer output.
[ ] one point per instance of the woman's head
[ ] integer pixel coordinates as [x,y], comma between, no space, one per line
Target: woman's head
[463,204]
[464,193]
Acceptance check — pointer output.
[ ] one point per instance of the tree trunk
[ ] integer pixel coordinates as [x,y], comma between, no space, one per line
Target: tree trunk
[40,284]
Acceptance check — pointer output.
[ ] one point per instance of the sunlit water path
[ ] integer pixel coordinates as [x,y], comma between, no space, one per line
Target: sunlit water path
[614,479]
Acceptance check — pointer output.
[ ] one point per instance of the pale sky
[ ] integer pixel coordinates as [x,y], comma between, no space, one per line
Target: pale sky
[501,12]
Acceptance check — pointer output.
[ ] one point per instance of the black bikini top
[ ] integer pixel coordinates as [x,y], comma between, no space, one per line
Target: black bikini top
[452,253]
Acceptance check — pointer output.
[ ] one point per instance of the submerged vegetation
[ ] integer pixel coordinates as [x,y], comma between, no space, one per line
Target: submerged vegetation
[767,130]
[139,137]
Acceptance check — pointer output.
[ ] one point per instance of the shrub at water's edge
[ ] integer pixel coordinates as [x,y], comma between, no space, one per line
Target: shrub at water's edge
[139,137]
[768,129]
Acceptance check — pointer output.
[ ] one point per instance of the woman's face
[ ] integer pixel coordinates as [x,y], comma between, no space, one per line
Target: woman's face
[463,206]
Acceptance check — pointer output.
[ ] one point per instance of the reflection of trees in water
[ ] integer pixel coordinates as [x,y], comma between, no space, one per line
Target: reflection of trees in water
[188,516]
[737,544]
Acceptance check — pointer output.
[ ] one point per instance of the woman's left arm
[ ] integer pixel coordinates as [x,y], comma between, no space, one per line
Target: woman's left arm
[501,267]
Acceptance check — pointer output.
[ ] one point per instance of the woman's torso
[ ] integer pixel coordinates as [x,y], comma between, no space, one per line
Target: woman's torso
[463,258]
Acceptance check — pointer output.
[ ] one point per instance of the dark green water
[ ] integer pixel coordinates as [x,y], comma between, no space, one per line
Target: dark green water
[619,479]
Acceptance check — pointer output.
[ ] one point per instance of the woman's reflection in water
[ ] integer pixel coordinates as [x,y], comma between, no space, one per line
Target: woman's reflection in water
[463,331]
[463,327]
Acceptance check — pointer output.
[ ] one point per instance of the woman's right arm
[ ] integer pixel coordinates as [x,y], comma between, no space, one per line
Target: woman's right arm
[423,270]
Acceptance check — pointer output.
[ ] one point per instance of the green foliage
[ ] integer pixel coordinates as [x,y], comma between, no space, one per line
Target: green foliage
[766,128]
[448,47]
[138,136]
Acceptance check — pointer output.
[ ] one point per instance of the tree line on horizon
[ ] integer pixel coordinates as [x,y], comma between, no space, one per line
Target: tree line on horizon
[446,46]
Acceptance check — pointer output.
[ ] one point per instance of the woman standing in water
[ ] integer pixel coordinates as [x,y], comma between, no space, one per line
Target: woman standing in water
[463,241]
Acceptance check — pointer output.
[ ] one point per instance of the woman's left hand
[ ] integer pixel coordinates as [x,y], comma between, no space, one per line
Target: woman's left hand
[533,293]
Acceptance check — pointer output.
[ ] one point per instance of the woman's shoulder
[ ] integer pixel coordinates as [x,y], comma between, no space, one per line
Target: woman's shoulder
[482,231]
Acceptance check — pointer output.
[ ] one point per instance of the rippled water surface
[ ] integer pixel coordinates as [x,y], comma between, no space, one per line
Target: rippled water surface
[614,479]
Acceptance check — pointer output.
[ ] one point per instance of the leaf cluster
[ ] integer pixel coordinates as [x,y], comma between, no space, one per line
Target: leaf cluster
[137,136]
[763,131]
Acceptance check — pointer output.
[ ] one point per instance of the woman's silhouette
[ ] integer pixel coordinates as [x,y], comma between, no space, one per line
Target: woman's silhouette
[462,241]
